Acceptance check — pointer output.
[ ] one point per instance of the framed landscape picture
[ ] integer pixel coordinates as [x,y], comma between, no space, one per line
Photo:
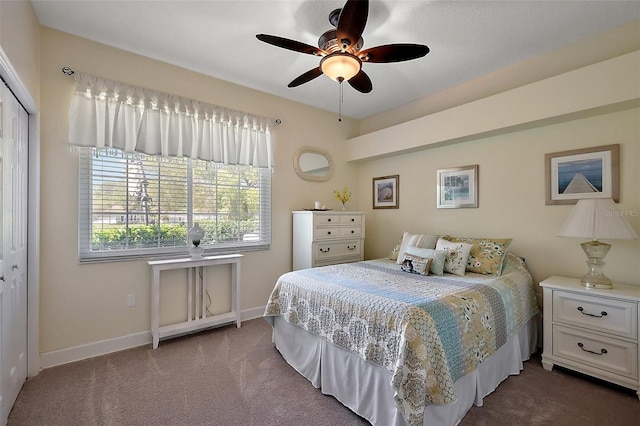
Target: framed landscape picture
[581,173]
[386,192]
[458,187]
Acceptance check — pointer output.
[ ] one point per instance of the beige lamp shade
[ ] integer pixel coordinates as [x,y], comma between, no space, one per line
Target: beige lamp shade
[597,219]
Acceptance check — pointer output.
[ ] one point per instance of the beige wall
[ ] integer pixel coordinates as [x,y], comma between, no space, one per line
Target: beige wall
[511,194]
[20,41]
[87,303]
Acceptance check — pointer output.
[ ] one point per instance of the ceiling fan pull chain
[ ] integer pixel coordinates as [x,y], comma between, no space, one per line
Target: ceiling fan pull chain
[340,99]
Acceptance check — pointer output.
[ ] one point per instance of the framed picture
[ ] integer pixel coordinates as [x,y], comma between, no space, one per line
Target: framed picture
[386,192]
[581,173]
[458,187]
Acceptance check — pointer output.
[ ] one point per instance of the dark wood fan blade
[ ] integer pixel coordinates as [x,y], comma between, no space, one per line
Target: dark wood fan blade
[361,82]
[352,21]
[306,77]
[286,43]
[393,53]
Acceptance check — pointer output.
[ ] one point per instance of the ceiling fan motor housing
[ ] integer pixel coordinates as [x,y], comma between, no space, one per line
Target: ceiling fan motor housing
[329,43]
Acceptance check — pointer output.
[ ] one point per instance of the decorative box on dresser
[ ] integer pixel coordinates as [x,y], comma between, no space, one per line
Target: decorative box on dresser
[592,331]
[323,238]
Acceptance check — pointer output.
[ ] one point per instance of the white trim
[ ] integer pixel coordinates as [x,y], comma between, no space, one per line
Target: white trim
[253,313]
[90,350]
[11,77]
[103,347]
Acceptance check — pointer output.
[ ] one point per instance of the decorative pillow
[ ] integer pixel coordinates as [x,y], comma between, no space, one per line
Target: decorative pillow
[396,249]
[416,240]
[416,264]
[457,255]
[437,258]
[487,254]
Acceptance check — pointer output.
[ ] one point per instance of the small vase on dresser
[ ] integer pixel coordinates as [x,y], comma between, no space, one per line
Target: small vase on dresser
[326,238]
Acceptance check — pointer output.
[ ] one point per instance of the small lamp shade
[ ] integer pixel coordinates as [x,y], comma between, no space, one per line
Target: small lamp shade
[597,218]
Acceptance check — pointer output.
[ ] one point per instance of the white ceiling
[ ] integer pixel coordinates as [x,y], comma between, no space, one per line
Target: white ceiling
[467,39]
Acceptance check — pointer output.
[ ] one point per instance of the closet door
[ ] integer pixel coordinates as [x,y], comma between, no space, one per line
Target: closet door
[13,253]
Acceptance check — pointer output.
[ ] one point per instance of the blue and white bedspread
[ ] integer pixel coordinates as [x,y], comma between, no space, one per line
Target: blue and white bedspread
[428,331]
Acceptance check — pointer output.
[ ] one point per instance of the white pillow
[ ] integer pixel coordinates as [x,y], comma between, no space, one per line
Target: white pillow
[437,257]
[457,255]
[416,240]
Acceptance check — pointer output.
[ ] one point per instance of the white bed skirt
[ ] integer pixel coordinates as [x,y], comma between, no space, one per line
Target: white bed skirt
[365,387]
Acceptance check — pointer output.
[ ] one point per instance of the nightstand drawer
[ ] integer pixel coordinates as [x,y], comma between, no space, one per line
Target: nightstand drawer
[614,355]
[598,313]
[338,249]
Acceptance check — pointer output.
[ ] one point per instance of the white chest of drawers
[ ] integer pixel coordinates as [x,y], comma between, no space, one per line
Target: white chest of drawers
[324,238]
[592,331]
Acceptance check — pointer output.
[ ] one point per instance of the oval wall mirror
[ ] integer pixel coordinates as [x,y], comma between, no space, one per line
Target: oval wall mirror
[313,164]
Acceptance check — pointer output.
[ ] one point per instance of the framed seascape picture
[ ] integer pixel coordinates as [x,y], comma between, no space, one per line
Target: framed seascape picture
[581,173]
[458,187]
[386,192]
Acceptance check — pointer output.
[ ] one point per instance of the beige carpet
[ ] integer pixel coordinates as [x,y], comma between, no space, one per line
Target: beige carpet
[230,376]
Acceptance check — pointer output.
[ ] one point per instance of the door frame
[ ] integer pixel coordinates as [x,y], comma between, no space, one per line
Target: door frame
[19,89]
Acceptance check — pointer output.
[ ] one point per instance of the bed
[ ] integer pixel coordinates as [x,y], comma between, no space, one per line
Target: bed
[403,348]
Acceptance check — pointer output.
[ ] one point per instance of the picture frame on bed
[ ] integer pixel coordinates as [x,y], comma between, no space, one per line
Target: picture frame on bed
[386,192]
[581,173]
[458,187]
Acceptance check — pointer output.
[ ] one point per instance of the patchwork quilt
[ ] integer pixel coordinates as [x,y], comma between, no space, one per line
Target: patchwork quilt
[428,331]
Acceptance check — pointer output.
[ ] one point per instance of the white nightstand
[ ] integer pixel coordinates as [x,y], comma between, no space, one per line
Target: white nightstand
[592,331]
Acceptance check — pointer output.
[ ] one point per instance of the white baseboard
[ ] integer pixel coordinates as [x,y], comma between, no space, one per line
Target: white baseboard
[103,347]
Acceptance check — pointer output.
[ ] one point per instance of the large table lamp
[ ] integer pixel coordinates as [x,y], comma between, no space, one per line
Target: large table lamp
[597,218]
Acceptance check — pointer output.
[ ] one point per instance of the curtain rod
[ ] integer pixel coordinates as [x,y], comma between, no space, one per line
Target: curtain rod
[69,72]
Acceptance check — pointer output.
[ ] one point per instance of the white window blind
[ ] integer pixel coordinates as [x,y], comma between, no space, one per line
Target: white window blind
[136,205]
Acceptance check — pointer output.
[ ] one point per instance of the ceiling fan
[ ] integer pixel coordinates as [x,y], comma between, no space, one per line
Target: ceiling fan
[340,49]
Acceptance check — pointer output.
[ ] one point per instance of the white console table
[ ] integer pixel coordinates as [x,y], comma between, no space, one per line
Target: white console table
[197,310]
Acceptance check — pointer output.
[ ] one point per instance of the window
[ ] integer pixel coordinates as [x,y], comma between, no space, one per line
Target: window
[137,205]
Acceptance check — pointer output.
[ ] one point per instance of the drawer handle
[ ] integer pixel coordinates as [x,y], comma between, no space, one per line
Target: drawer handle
[329,220]
[328,232]
[325,251]
[602,351]
[353,219]
[353,232]
[352,247]
[602,314]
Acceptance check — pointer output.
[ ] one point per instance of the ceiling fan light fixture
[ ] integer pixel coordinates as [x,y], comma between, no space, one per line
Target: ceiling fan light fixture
[340,66]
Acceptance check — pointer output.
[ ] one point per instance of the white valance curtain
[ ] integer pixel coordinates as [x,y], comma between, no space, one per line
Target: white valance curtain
[110,114]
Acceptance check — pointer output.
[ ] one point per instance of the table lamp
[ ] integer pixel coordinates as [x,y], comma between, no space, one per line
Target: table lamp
[597,218]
